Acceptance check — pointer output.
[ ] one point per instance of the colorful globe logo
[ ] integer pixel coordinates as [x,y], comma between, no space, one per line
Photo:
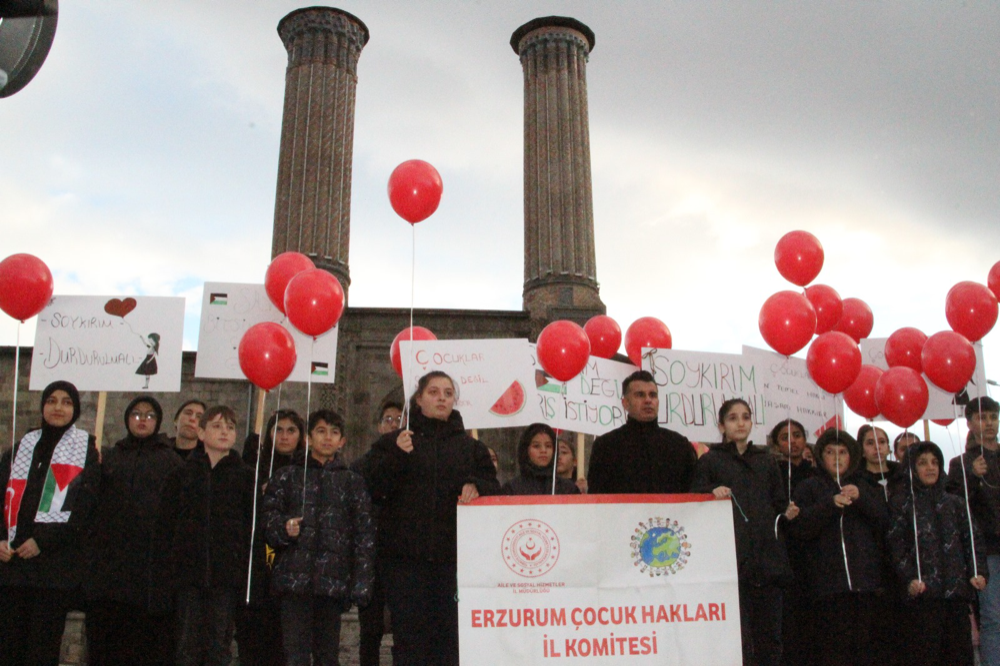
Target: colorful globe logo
[660,547]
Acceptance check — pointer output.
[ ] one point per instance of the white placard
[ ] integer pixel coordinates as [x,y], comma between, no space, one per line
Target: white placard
[107,343]
[228,309]
[494,378]
[617,579]
[590,403]
[940,404]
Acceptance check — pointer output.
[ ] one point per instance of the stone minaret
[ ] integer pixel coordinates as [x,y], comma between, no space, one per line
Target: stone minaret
[560,274]
[312,210]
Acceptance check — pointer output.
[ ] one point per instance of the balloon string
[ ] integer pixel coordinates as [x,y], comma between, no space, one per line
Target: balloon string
[913,501]
[843,543]
[968,508]
[878,452]
[256,491]
[413,279]
[13,415]
[274,430]
[305,463]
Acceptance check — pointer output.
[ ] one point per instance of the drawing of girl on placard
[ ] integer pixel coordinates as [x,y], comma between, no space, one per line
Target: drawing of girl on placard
[148,365]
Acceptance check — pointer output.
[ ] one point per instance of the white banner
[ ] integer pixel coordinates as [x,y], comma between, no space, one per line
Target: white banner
[105,343]
[494,378]
[228,309]
[590,403]
[635,579]
[941,404]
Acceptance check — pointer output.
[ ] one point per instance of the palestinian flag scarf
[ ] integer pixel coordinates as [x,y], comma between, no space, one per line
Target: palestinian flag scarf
[68,460]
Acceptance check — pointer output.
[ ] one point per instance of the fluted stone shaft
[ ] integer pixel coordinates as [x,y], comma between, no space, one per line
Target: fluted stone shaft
[559,258]
[312,211]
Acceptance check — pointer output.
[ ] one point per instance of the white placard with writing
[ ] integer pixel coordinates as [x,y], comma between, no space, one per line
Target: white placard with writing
[494,378]
[107,343]
[617,579]
[228,309]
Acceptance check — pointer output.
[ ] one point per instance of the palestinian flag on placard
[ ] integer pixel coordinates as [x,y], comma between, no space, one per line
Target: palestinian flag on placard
[218,299]
[320,369]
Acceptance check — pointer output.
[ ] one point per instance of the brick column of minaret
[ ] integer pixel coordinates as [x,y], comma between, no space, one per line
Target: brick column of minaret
[560,274]
[312,210]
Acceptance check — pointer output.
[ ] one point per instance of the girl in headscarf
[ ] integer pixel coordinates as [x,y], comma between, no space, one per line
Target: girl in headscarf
[535,458]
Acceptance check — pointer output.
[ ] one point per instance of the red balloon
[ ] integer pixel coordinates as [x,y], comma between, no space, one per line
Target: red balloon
[314,301]
[787,321]
[949,360]
[994,280]
[901,395]
[646,332]
[799,257]
[826,301]
[25,286]
[860,396]
[605,336]
[267,354]
[943,422]
[971,309]
[834,361]
[857,319]
[280,272]
[419,333]
[563,349]
[415,190]
[904,347]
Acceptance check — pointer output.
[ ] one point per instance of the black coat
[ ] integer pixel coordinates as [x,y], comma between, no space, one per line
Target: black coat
[133,474]
[640,457]
[758,500]
[59,563]
[984,494]
[535,480]
[333,555]
[202,534]
[818,527]
[419,491]
[879,482]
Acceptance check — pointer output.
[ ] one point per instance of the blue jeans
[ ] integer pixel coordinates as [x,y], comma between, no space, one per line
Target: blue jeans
[989,611]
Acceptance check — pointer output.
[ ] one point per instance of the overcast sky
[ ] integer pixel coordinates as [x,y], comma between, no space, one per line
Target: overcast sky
[143,157]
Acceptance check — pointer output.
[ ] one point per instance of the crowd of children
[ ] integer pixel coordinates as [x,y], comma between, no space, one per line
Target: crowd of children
[844,555]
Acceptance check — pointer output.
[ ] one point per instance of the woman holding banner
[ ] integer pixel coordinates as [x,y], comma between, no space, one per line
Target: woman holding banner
[417,474]
[50,485]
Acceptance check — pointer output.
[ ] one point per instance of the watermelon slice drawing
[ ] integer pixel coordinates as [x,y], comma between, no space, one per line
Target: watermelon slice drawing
[511,402]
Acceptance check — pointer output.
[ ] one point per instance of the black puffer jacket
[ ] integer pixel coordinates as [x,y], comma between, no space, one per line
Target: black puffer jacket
[984,493]
[535,480]
[641,457]
[818,527]
[879,482]
[419,490]
[132,476]
[333,555]
[203,527]
[946,563]
[758,500]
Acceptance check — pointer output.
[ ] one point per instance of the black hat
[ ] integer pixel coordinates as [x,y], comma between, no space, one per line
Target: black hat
[982,404]
[74,395]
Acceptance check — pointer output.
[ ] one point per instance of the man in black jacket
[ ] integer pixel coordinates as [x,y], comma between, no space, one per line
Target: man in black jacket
[640,456]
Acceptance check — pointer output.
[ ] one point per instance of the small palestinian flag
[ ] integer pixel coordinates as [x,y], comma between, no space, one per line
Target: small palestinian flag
[218,299]
[320,369]
[56,484]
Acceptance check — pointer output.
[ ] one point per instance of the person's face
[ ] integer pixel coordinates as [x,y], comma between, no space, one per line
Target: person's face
[58,409]
[566,460]
[792,443]
[286,436]
[928,469]
[807,455]
[875,446]
[219,434]
[836,459]
[494,459]
[142,420]
[737,424]
[437,399]
[392,419]
[983,426]
[905,442]
[187,421]
[540,450]
[642,402]
[325,440]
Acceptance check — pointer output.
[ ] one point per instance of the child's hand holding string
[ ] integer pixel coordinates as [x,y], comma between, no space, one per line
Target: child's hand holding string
[792,511]
[979,466]
[978,582]
[405,441]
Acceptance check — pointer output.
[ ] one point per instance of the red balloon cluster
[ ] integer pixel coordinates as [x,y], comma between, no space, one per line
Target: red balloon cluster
[646,332]
[993,281]
[415,190]
[834,361]
[395,356]
[904,347]
[787,321]
[799,257]
[280,272]
[563,349]
[314,301]
[827,304]
[267,354]
[856,320]
[949,360]
[860,396]
[25,286]
[901,395]
[971,309]
[605,336]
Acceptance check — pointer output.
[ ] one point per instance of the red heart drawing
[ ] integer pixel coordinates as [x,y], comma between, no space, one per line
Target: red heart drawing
[119,308]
